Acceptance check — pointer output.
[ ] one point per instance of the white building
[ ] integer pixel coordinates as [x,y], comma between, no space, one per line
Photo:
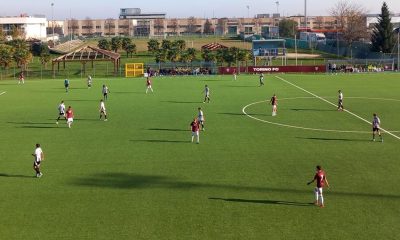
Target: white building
[372,19]
[31,27]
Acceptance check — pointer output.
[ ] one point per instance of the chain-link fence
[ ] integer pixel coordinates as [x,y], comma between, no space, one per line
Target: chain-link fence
[360,65]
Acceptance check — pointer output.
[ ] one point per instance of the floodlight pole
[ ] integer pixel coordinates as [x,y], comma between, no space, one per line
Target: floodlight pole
[337,41]
[52,20]
[305,14]
[398,48]
[277,6]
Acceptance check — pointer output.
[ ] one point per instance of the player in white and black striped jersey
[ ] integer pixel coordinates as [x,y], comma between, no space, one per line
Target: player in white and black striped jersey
[340,101]
[61,111]
[102,110]
[39,157]
[376,122]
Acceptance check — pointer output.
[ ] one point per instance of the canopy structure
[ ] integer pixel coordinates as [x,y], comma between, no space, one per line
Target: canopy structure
[88,54]
[213,46]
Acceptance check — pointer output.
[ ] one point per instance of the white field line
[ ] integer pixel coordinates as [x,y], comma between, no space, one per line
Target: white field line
[293,126]
[2,93]
[323,99]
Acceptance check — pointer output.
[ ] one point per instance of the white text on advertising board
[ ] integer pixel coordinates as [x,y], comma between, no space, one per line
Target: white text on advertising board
[266,69]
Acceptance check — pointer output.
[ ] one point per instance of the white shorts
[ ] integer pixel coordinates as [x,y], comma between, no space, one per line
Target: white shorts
[70,120]
[318,190]
[195,133]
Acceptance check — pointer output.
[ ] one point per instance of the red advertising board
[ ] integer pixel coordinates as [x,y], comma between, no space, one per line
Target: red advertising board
[274,69]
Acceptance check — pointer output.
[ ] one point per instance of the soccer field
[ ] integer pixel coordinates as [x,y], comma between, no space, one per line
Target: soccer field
[138,176]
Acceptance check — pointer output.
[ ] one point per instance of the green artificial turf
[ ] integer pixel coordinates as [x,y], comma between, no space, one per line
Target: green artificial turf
[137,176]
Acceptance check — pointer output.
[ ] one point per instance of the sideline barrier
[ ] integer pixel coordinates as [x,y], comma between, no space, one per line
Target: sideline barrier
[273,69]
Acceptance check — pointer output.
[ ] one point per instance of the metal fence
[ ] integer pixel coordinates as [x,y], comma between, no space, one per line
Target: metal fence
[357,50]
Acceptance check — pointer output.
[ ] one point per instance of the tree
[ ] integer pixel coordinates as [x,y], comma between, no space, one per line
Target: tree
[108,24]
[208,55]
[191,25]
[125,42]
[166,44]
[219,56]
[184,58]
[44,55]
[242,57]
[319,21]
[18,43]
[180,44]
[6,55]
[116,43]
[350,20]
[208,29]
[15,32]
[287,28]
[173,55]
[189,55]
[74,26]
[192,53]
[2,35]
[229,55]
[89,26]
[234,53]
[161,56]
[152,46]
[382,36]
[104,44]
[159,26]
[130,48]
[174,25]
[22,57]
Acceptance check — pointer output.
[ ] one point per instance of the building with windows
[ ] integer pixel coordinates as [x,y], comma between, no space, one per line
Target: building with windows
[27,26]
[133,22]
[372,19]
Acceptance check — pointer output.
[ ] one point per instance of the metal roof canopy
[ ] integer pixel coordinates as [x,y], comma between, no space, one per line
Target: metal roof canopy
[213,46]
[88,54]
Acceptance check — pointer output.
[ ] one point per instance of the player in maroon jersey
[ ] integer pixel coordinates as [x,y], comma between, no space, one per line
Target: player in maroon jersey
[70,116]
[148,84]
[274,103]
[195,126]
[320,178]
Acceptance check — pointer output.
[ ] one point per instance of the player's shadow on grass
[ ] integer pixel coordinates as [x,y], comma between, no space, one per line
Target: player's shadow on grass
[180,102]
[159,141]
[86,119]
[168,129]
[312,109]
[121,92]
[334,139]
[82,100]
[35,126]
[136,181]
[32,123]
[289,203]
[213,80]
[233,114]
[241,86]
[15,175]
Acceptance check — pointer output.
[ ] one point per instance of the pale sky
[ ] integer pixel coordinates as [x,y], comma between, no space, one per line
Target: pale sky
[81,9]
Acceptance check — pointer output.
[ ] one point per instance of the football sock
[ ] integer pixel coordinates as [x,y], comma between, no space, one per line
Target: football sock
[316,195]
[322,199]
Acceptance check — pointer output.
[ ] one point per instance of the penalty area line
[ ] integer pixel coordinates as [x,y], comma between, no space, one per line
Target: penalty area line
[323,99]
[2,93]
